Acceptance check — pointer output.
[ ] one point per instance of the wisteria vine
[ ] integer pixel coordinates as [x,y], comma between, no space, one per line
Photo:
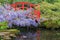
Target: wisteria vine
[19,18]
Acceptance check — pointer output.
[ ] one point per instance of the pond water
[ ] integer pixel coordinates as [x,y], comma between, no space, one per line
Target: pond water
[44,35]
[50,35]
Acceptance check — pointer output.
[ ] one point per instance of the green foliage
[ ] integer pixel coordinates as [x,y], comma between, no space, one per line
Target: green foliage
[32,1]
[51,1]
[4,1]
[52,13]
[3,25]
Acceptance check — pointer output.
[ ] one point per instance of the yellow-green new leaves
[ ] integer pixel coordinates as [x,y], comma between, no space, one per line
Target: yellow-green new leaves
[52,13]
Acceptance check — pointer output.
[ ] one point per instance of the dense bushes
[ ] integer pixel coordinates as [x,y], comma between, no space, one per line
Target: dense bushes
[52,13]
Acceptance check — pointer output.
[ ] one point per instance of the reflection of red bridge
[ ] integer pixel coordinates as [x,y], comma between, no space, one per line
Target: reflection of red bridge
[25,6]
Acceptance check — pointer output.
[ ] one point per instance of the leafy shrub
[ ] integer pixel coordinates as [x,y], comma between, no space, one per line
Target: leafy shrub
[50,12]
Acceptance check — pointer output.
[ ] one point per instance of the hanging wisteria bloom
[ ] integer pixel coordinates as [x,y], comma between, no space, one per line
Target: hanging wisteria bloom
[20,18]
